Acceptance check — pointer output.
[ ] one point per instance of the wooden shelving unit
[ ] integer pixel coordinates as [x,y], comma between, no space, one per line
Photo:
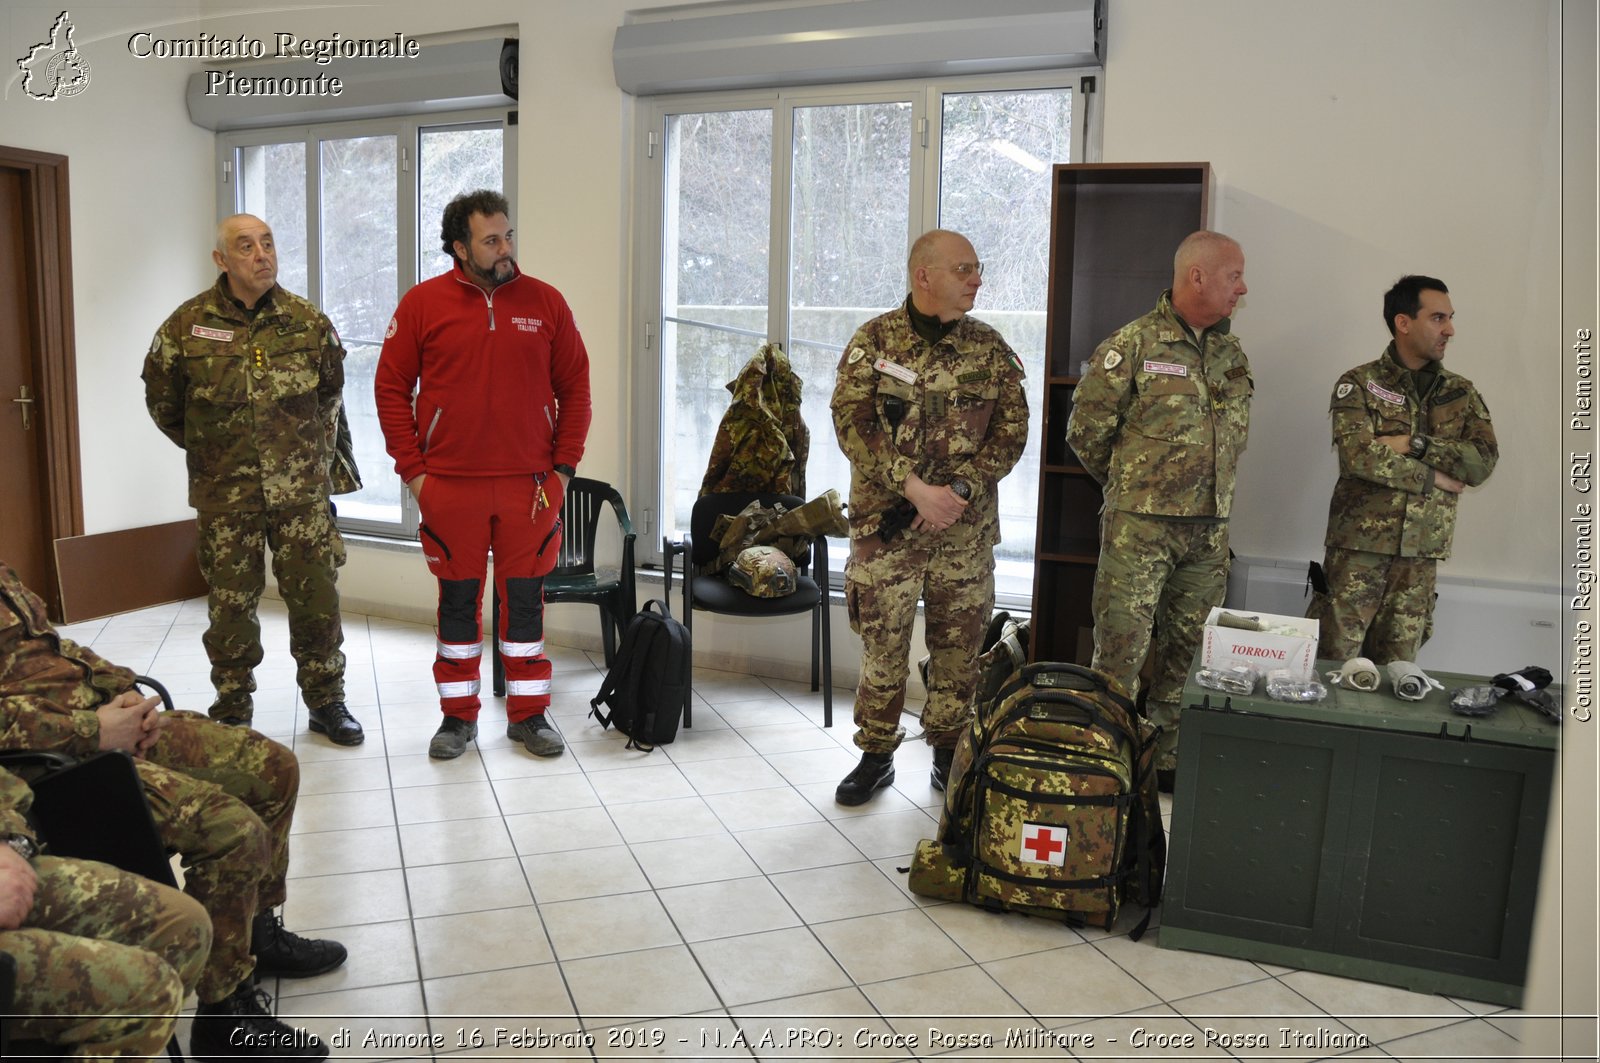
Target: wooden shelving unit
[1113,230]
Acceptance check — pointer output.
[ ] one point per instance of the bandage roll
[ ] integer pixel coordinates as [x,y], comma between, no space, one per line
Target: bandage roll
[1359,673]
[1410,682]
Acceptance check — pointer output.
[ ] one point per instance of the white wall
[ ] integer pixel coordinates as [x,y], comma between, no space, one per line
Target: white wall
[1351,143]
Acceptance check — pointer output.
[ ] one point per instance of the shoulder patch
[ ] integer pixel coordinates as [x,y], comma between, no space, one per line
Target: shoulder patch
[855,355]
[1016,360]
[1113,359]
[394,326]
[1343,390]
[155,342]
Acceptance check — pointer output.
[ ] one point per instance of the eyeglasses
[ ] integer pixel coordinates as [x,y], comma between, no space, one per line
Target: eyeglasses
[963,269]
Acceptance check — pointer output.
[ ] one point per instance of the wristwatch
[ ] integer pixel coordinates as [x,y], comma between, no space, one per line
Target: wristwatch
[1419,446]
[566,470]
[22,845]
[961,488]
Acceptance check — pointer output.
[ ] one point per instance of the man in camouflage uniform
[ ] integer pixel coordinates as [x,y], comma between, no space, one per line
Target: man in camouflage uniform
[1411,436]
[104,957]
[247,378]
[222,797]
[1160,421]
[929,408]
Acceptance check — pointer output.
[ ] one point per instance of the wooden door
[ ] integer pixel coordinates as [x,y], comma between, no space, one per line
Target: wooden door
[23,539]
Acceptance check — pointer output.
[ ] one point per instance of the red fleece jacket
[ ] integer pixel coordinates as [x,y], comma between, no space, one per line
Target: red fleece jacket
[501,379]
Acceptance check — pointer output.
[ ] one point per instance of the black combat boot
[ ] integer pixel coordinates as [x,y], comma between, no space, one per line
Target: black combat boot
[875,771]
[241,1025]
[940,775]
[285,954]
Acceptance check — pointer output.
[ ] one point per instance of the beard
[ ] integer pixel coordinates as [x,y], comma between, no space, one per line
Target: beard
[495,275]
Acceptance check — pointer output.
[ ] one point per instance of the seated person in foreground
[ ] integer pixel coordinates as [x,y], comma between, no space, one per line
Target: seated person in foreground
[222,797]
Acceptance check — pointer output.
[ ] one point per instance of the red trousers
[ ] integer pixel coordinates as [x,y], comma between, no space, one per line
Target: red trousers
[519,518]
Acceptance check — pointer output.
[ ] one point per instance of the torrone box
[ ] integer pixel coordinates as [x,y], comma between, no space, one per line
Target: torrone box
[1290,642]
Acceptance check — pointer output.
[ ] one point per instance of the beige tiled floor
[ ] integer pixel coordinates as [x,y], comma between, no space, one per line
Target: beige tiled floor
[705,900]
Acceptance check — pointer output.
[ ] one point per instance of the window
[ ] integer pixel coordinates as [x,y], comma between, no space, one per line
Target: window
[785,216]
[355,207]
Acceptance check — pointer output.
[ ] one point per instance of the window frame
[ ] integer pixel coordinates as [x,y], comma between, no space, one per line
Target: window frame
[645,333]
[409,248]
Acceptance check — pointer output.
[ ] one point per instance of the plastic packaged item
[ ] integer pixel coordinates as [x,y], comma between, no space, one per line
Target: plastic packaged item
[1475,701]
[1238,679]
[1283,685]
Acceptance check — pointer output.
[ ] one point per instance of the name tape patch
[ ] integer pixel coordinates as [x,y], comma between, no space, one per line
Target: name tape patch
[1393,398]
[894,369]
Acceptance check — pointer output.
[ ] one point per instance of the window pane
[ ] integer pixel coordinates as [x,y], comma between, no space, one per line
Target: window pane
[850,206]
[716,238]
[272,186]
[453,161]
[994,187]
[360,287]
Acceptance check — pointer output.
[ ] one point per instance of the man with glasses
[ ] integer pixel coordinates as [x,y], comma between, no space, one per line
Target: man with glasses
[248,379]
[929,408]
[1160,421]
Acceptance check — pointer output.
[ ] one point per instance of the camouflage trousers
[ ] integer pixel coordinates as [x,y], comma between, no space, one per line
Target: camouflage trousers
[1157,581]
[223,798]
[104,960]
[1378,606]
[953,573]
[306,552]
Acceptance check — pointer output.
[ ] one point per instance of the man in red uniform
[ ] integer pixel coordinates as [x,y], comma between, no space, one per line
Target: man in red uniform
[497,429]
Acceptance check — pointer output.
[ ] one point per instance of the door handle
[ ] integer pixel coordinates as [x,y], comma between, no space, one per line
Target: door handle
[25,400]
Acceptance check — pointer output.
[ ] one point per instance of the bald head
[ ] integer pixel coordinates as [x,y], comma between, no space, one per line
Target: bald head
[246,252]
[1207,278]
[944,274]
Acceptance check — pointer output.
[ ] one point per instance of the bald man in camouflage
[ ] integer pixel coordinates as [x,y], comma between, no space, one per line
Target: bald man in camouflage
[1160,421]
[929,408]
[248,379]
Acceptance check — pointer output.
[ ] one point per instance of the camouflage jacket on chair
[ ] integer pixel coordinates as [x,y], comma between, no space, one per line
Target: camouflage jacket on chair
[762,442]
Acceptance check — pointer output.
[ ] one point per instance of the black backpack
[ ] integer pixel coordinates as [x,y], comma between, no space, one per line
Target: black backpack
[649,681]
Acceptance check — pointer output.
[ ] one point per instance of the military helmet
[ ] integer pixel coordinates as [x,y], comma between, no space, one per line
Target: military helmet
[764,571]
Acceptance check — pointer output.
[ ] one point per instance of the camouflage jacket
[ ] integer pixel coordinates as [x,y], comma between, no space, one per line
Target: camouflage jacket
[966,416]
[1159,422]
[50,686]
[762,442]
[15,799]
[254,402]
[1384,502]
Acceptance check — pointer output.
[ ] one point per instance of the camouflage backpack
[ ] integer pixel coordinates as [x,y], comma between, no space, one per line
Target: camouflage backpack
[1051,807]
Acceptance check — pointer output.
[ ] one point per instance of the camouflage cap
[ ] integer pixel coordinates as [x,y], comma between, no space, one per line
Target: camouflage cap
[764,571]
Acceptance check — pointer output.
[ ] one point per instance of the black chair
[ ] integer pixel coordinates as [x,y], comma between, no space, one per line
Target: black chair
[574,578]
[717,595]
[90,809]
